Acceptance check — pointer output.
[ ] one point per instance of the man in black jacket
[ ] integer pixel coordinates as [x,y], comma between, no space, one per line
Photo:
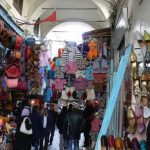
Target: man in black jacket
[47,124]
[53,115]
[87,113]
[73,125]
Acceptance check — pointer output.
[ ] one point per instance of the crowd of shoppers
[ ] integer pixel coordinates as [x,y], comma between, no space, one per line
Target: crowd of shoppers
[39,127]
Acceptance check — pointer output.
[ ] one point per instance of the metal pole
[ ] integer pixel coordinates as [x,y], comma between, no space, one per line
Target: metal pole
[72,8]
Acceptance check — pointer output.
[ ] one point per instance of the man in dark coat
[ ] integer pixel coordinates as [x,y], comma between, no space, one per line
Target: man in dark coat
[36,120]
[73,125]
[53,115]
[60,123]
[47,124]
[87,113]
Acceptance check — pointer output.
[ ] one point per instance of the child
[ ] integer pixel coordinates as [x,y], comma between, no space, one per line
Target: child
[95,127]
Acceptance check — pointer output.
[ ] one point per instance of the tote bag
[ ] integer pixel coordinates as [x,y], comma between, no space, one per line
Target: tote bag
[23,128]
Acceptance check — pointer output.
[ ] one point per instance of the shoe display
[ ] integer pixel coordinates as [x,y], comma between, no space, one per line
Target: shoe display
[135,144]
[127,143]
[104,143]
[119,144]
[143,145]
[111,142]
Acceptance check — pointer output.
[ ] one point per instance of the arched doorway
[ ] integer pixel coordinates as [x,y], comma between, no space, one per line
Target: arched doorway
[68,31]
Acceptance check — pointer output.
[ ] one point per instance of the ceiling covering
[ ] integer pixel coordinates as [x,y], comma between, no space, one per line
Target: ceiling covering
[92,12]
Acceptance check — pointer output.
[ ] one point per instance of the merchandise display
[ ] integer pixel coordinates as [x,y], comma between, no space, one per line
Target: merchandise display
[30,76]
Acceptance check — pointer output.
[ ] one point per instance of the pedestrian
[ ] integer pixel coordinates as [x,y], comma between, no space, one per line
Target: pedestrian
[60,123]
[47,123]
[24,131]
[70,107]
[53,115]
[36,120]
[73,125]
[95,127]
[87,113]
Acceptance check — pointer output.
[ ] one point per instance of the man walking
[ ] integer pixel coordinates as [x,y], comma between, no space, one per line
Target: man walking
[47,123]
[53,115]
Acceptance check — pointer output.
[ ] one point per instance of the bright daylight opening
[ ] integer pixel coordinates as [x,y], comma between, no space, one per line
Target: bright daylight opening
[69,31]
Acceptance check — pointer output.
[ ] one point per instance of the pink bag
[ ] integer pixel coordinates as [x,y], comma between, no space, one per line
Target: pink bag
[12,83]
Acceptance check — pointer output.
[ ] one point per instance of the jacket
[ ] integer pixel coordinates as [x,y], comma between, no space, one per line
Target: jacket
[60,122]
[53,115]
[36,120]
[49,124]
[73,124]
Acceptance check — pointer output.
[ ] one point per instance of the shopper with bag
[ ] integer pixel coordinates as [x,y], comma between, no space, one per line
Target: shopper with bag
[24,132]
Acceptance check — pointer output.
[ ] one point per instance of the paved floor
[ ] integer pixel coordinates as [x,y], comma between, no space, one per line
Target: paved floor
[55,144]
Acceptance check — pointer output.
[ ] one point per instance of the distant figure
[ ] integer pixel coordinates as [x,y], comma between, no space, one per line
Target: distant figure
[73,125]
[36,120]
[60,123]
[53,115]
[47,123]
[70,107]
[87,113]
[95,127]
[23,140]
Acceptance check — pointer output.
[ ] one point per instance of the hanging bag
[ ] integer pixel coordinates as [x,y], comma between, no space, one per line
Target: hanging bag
[23,128]
[13,71]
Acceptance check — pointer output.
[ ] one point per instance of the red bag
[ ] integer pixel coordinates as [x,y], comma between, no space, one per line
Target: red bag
[12,71]
[22,86]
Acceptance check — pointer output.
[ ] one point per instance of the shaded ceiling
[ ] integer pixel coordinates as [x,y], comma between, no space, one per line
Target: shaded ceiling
[92,12]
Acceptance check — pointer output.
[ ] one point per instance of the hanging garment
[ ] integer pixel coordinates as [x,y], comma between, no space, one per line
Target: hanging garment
[58,62]
[59,84]
[71,53]
[59,72]
[80,73]
[70,79]
[90,94]
[64,95]
[89,73]
[47,94]
[97,65]
[71,67]
[93,53]
[82,64]
[84,48]
[51,74]
[44,58]
[81,83]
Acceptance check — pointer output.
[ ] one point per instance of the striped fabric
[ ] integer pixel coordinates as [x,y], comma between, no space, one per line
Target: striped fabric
[71,53]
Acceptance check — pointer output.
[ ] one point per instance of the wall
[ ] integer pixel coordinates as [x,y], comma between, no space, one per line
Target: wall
[8,5]
[140,18]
